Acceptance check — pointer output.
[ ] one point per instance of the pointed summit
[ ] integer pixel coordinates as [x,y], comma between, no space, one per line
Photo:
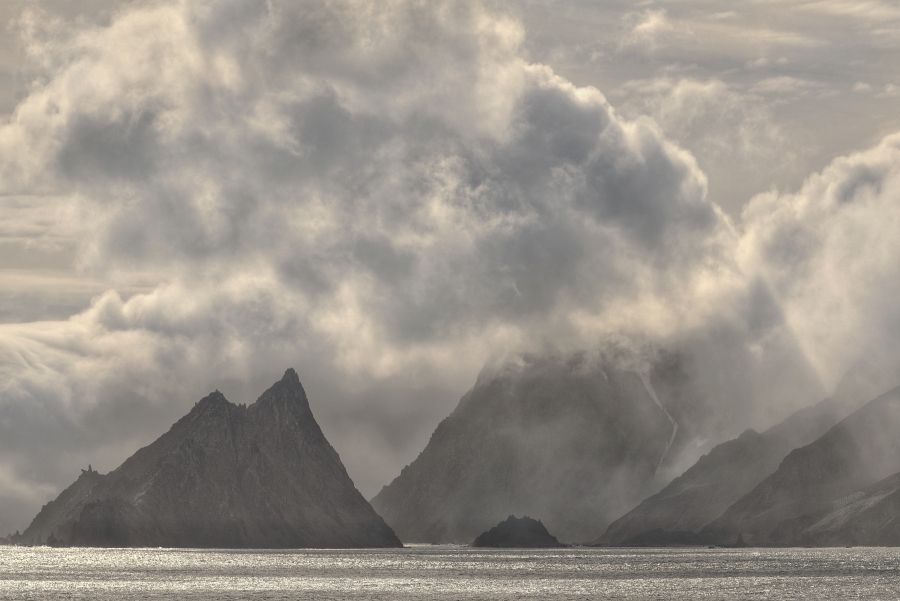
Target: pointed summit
[223,476]
[287,392]
[213,399]
[290,377]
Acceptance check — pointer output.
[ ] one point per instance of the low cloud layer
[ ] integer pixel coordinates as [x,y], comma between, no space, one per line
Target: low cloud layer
[386,197]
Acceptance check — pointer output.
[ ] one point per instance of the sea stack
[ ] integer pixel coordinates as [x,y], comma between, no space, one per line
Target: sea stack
[225,476]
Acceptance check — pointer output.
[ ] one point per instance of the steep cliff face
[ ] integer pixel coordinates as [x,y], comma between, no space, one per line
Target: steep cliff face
[573,441]
[832,491]
[677,513]
[224,475]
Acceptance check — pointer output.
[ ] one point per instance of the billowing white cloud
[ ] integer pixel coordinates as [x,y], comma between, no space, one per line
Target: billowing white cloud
[830,252]
[732,131]
[646,29]
[374,194]
[791,63]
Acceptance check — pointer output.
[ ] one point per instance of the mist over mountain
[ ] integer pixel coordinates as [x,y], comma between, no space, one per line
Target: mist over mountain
[838,490]
[577,439]
[560,438]
[226,476]
[677,513]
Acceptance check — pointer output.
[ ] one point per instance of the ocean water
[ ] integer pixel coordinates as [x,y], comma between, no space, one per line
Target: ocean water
[449,573]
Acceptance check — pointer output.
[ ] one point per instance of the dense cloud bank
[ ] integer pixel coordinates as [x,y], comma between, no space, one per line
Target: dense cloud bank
[387,197]
[831,253]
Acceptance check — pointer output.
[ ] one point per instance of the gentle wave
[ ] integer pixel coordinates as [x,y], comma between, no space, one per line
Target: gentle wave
[445,573]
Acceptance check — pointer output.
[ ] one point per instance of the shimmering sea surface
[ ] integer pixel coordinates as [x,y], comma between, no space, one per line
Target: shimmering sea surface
[450,573]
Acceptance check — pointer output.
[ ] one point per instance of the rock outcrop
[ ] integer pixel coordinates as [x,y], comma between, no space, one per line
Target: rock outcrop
[520,533]
[224,475]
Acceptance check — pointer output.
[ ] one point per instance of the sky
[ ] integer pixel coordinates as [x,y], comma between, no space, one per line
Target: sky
[390,196]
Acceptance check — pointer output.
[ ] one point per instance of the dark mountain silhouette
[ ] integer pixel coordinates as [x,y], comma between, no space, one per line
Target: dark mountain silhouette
[224,475]
[676,514]
[513,532]
[841,489]
[573,440]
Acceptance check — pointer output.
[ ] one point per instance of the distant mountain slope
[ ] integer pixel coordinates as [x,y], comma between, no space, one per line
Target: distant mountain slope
[870,516]
[574,441]
[679,511]
[224,475]
[823,492]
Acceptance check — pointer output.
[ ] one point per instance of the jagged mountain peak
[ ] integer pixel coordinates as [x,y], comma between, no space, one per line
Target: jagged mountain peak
[213,399]
[287,391]
[290,375]
[224,475]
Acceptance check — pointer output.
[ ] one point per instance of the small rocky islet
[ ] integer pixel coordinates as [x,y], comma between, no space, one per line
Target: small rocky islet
[518,533]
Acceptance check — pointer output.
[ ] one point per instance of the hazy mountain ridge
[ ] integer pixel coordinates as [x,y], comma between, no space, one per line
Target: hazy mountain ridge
[575,439]
[224,475]
[571,439]
[677,513]
[829,492]
[870,516]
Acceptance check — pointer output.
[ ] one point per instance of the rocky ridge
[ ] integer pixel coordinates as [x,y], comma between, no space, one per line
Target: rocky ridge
[676,514]
[224,475]
[841,489]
